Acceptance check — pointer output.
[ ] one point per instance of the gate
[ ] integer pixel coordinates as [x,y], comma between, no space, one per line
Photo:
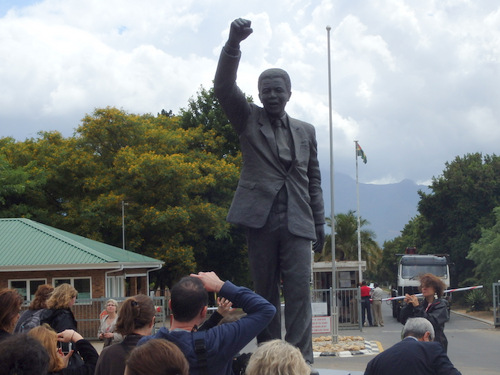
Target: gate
[348,306]
[496,304]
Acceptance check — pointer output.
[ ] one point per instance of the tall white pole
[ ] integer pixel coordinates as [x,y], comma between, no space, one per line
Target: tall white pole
[335,320]
[359,219]
[123,224]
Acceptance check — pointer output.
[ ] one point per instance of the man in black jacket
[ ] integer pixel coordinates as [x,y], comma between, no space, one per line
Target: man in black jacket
[414,355]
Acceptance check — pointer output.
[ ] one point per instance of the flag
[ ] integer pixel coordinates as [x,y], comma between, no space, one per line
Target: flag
[360,152]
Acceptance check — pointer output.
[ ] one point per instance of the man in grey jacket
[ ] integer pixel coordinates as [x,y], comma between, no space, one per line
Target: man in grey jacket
[279,198]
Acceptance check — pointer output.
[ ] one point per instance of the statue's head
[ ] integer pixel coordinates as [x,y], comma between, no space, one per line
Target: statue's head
[275,90]
[276,73]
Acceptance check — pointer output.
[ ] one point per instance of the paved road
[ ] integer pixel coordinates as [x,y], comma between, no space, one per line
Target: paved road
[473,346]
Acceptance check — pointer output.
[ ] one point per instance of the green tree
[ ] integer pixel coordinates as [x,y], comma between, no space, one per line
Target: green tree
[387,267]
[206,111]
[485,253]
[461,203]
[346,241]
[14,181]
[177,192]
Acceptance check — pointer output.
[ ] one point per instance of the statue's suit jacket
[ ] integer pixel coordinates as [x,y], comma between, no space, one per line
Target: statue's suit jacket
[263,175]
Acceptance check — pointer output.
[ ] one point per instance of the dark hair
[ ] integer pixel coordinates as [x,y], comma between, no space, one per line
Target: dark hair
[157,357]
[432,281]
[136,312]
[23,355]
[42,294]
[275,73]
[188,297]
[10,305]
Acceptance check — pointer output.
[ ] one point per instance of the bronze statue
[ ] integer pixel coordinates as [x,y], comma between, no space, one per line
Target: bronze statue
[279,198]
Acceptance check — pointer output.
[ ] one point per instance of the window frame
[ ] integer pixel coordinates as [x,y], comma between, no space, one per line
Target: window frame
[29,293]
[72,283]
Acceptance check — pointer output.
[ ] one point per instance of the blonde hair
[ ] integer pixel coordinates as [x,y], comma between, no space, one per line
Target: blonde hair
[113,301]
[277,357]
[61,297]
[48,338]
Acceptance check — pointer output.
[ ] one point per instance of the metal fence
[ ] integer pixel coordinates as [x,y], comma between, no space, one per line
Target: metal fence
[88,312]
[348,306]
[496,304]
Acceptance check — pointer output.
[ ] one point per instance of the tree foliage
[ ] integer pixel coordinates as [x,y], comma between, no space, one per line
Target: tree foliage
[461,203]
[346,241]
[451,218]
[486,254]
[387,267]
[177,190]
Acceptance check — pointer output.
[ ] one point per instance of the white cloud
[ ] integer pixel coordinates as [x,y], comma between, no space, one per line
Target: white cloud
[415,82]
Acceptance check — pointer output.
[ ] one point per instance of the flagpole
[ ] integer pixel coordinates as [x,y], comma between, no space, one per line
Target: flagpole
[335,328]
[360,272]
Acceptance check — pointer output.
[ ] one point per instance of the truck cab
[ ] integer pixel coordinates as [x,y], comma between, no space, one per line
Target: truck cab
[410,267]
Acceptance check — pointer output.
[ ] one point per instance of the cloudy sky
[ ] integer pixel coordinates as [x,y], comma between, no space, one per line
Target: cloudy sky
[416,82]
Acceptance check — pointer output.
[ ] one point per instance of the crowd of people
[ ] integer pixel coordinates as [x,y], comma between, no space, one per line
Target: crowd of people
[194,344]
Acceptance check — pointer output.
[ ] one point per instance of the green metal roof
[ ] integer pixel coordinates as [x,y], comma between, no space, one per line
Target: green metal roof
[24,242]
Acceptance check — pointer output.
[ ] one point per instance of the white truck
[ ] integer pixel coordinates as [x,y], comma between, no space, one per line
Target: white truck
[411,265]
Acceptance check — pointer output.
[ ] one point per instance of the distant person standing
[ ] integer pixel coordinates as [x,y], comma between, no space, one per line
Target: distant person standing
[107,329]
[136,319]
[366,311]
[377,295]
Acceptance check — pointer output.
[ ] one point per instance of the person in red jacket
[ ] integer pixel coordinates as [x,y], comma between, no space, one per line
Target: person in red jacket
[366,310]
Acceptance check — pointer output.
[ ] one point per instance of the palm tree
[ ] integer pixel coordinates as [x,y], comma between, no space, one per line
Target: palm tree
[346,241]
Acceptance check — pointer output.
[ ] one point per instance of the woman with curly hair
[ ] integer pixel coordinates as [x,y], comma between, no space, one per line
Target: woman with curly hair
[59,361]
[37,306]
[433,307]
[10,305]
[60,303]
[60,317]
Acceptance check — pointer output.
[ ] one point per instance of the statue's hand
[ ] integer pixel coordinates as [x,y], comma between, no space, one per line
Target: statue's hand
[320,239]
[240,30]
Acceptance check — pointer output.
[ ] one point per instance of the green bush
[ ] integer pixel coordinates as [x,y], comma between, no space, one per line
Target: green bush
[476,300]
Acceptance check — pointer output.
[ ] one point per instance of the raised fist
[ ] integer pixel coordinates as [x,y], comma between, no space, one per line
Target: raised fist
[240,30]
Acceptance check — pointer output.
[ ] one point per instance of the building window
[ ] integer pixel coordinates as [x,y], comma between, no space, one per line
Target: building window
[27,288]
[82,285]
[115,286]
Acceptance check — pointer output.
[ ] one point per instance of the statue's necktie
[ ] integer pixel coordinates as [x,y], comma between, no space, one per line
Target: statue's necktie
[283,142]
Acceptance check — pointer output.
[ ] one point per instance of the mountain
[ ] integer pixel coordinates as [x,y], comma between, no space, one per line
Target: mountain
[388,208]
